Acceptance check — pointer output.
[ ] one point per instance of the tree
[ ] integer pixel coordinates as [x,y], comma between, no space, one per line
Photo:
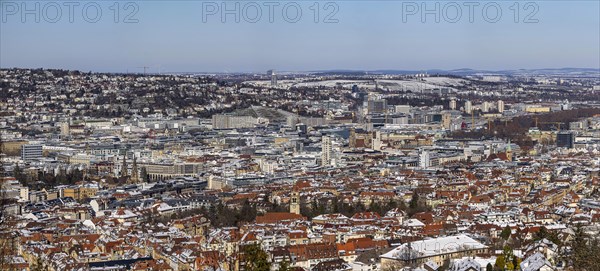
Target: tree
[505,233]
[507,260]
[500,263]
[489,267]
[255,258]
[414,201]
[39,265]
[584,251]
[144,175]
[284,266]
[18,174]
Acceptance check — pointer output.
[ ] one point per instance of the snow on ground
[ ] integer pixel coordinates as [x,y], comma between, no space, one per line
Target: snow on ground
[428,83]
[445,81]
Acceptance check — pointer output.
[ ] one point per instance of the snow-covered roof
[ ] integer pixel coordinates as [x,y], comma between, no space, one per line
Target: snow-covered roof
[535,262]
[435,246]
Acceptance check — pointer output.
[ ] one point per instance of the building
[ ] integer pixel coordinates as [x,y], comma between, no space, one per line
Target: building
[31,152]
[295,201]
[326,151]
[424,159]
[273,76]
[231,122]
[565,139]
[376,106]
[65,129]
[436,250]
[500,106]
[452,104]
[403,109]
[485,106]
[468,107]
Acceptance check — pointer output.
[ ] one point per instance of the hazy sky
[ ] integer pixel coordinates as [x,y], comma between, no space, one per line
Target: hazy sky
[173,36]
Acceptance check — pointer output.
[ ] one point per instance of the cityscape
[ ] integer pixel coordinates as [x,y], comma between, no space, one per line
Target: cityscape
[292,135]
[467,170]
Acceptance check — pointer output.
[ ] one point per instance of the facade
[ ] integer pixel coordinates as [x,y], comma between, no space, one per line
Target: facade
[232,122]
[500,106]
[468,107]
[326,151]
[31,152]
[452,104]
[377,106]
[565,139]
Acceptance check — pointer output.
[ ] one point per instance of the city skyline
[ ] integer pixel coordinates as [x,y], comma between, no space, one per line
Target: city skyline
[385,35]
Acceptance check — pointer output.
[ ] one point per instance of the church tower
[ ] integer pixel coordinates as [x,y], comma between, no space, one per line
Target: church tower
[124,166]
[295,201]
[135,175]
[509,152]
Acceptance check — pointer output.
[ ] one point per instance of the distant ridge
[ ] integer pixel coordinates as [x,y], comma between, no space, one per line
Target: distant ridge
[466,71]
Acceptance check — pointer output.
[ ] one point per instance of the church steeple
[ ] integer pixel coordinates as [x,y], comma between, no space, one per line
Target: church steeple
[295,201]
[124,165]
[135,176]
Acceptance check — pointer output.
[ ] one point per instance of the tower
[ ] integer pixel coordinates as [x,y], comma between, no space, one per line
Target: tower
[500,106]
[352,138]
[468,107]
[65,129]
[124,166]
[452,104]
[424,159]
[273,77]
[325,151]
[135,176]
[295,201]
[509,152]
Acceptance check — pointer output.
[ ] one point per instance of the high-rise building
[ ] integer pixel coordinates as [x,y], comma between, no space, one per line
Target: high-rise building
[424,159]
[446,120]
[500,106]
[326,150]
[31,152]
[485,107]
[273,77]
[468,107]
[452,104]
[65,129]
[565,140]
[376,106]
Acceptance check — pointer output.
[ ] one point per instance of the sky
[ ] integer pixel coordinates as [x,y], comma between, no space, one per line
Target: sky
[204,36]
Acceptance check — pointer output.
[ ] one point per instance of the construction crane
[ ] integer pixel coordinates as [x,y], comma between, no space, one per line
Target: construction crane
[145,68]
[558,124]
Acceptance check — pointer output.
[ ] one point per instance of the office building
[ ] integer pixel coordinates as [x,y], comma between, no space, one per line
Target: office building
[31,152]
[452,104]
[565,140]
[326,151]
[273,76]
[468,107]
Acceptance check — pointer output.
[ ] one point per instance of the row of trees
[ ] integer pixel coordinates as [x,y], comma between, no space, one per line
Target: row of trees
[335,205]
[47,180]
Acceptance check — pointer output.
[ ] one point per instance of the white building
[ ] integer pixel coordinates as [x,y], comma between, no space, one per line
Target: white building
[500,106]
[435,250]
[326,151]
[453,104]
[468,107]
